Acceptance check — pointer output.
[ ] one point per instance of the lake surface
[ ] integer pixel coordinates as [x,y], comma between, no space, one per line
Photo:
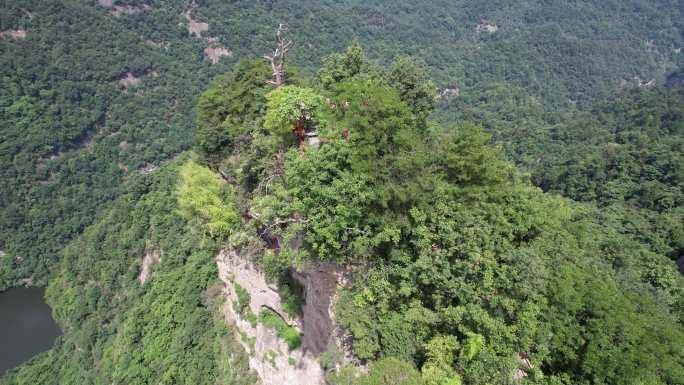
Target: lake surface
[26,326]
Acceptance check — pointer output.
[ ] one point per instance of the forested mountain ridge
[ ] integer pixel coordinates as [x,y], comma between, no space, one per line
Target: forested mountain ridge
[73,130]
[464,271]
[562,52]
[120,78]
[622,154]
[167,329]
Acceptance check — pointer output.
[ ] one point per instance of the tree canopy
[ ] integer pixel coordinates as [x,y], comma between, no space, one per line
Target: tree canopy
[464,268]
[509,203]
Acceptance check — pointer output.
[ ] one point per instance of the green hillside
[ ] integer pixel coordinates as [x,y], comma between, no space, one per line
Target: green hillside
[461,266]
[60,90]
[520,228]
[169,330]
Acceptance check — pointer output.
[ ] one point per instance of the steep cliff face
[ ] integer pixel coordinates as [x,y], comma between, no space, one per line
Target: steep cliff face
[320,283]
[270,356]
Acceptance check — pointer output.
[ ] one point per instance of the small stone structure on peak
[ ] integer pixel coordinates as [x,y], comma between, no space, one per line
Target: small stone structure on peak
[486,26]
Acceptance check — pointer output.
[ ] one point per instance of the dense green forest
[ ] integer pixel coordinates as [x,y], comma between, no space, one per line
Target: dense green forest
[462,264]
[168,330]
[464,271]
[521,230]
[72,132]
[623,154]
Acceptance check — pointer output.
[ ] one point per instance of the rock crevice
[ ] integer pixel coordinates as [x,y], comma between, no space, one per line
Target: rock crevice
[270,357]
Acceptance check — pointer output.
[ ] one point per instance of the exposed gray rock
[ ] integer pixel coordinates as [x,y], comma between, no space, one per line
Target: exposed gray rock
[14,34]
[320,285]
[270,357]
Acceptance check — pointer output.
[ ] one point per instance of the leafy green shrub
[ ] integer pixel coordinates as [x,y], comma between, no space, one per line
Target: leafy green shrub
[330,358]
[251,317]
[473,344]
[270,356]
[416,89]
[391,371]
[243,297]
[225,110]
[203,196]
[338,67]
[291,294]
[289,104]
[291,337]
[347,375]
[439,367]
[288,333]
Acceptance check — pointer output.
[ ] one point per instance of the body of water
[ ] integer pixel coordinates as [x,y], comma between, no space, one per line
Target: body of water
[26,326]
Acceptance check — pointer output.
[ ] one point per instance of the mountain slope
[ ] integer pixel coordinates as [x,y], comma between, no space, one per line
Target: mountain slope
[462,270]
[167,330]
[93,91]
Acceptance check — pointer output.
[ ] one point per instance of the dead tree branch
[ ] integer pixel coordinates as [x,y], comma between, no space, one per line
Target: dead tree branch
[277,59]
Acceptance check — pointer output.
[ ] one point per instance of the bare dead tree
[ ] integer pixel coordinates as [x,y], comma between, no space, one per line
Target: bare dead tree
[277,59]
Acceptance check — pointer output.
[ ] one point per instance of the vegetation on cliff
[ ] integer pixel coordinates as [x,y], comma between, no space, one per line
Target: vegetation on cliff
[93,92]
[169,330]
[527,234]
[463,268]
